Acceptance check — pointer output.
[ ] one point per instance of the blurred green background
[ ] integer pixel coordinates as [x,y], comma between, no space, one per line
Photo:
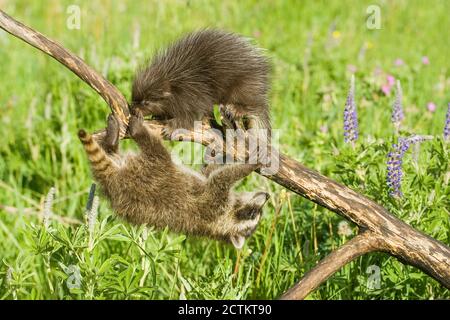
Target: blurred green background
[314,47]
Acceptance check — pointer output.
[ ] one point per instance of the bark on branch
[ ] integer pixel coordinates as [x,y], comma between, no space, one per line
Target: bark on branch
[381,230]
[364,242]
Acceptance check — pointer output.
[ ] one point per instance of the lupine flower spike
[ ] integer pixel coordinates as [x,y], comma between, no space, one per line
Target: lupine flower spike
[90,198]
[394,167]
[350,115]
[48,207]
[397,108]
[92,219]
[91,214]
[395,162]
[415,140]
[447,124]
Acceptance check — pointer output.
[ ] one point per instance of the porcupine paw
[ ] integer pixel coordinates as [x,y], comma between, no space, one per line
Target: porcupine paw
[226,117]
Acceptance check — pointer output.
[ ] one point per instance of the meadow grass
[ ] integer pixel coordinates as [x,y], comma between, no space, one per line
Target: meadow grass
[314,47]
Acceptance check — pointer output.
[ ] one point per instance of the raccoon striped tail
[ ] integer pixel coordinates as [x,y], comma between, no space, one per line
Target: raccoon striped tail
[101,164]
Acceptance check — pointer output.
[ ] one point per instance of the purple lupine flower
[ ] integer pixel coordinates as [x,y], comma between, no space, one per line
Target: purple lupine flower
[394,167]
[397,109]
[395,161]
[350,115]
[415,141]
[447,124]
[415,138]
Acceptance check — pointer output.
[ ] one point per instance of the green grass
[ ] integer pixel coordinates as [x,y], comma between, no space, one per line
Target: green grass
[42,105]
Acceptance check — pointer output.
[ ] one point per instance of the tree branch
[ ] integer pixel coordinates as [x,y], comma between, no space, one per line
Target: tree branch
[396,237]
[361,244]
[384,231]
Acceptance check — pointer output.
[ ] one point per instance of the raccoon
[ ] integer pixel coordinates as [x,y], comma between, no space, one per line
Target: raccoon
[148,187]
[183,82]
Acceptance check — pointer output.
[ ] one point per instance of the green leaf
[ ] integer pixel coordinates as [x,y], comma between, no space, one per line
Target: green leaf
[217,115]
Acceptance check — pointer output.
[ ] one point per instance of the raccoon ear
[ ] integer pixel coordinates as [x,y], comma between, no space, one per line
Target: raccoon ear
[260,198]
[237,241]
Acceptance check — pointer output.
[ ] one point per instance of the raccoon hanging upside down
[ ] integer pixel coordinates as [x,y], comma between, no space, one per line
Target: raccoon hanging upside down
[183,82]
[149,188]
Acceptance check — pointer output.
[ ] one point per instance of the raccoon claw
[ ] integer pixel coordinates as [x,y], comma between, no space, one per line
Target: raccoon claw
[169,130]
[137,113]
[112,120]
[136,122]
[167,133]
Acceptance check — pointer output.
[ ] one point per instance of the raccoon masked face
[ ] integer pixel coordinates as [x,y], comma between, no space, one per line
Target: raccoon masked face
[247,211]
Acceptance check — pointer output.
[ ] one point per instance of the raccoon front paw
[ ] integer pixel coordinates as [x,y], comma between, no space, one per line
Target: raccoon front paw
[136,123]
[113,122]
[166,133]
[173,129]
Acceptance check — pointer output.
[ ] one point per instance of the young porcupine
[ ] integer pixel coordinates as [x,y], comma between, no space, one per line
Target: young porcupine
[149,187]
[184,81]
